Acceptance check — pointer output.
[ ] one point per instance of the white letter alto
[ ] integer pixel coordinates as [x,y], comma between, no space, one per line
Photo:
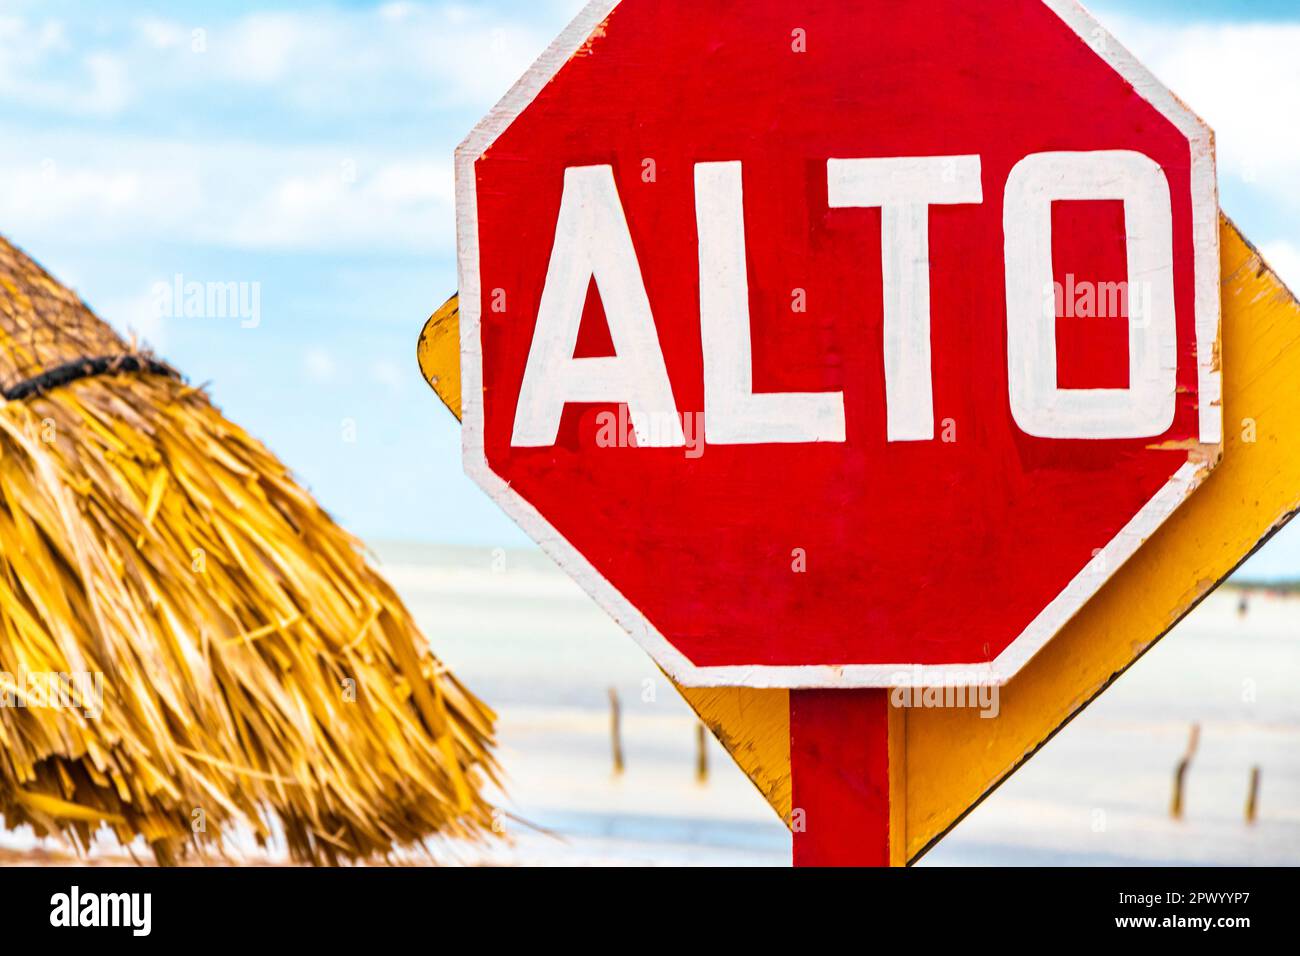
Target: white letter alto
[592,239]
[1039,406]
[904,188]
[733,413]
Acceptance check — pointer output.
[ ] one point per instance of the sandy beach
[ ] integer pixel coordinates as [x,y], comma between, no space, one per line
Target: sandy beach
[1097,794]
[525,638]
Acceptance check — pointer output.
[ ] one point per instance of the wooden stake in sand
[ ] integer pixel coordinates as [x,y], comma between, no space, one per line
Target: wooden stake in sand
[1180,772]
[1252,796]
[701,754]
[183,629]
[616,731]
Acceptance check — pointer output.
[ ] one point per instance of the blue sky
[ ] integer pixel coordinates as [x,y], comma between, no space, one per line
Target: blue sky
[306,147]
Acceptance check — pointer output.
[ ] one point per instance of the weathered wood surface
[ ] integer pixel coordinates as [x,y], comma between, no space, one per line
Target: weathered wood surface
[439,354]
[945,761]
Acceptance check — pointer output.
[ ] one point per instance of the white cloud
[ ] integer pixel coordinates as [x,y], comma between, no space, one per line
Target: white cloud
[331,60]
[442,64]
[1284,257]
[415,182]
[319,365]
[25,43]
[263,48]
[236,195]
[109,89]
[398,11]
[328,75]
[161,34]
[389,205]
[93,83]
[388,374]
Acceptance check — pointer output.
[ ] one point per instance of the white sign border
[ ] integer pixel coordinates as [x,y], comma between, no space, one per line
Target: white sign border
[1205,211]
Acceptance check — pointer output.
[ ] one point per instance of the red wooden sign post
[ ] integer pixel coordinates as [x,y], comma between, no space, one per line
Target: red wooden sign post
[839,346]
[839,772]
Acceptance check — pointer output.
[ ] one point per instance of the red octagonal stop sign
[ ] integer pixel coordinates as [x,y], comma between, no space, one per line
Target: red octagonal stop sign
[838,344]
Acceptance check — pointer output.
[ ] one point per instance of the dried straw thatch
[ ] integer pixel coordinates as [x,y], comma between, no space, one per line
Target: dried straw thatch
[255,671]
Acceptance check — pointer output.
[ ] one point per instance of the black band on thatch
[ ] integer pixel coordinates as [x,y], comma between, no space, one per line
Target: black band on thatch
[86,368]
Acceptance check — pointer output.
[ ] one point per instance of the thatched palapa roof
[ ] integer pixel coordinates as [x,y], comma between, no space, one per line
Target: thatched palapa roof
[254,669]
